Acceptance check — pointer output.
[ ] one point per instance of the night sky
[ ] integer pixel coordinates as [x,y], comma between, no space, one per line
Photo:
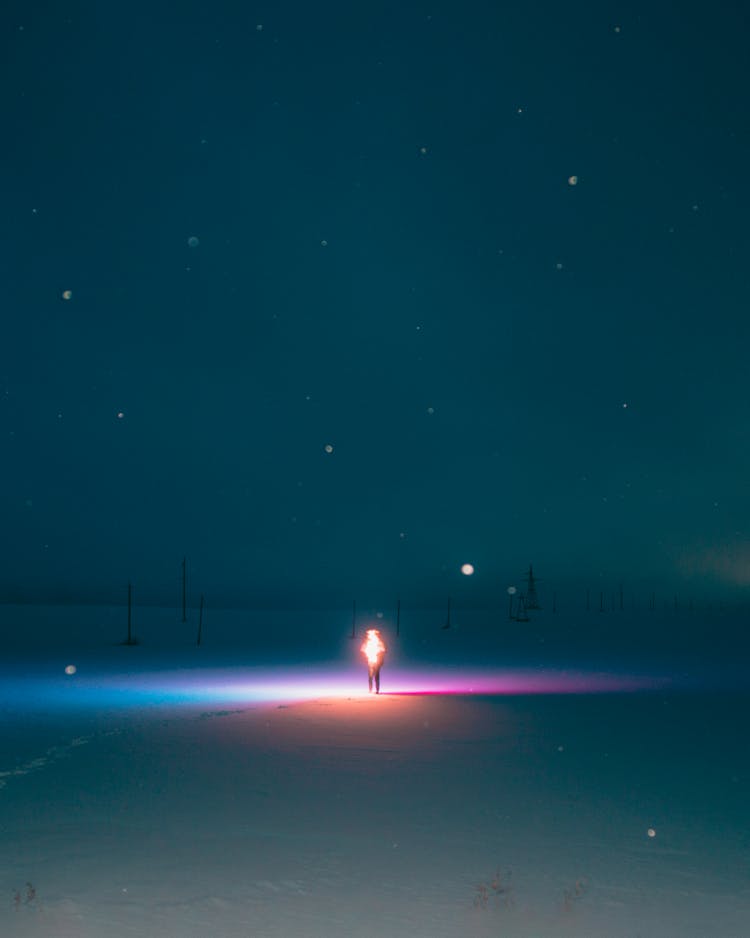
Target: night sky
[334,298]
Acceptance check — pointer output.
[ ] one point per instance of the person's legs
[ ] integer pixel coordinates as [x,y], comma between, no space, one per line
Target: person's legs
[377,680]
[369,678]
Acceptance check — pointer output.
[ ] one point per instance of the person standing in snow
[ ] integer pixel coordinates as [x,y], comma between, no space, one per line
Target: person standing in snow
[374,650]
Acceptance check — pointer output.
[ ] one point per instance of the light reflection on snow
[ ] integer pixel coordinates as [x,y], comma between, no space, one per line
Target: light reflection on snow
[90,688]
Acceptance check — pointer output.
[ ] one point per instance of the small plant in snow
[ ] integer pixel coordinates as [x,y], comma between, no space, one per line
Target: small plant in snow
[571,897]
[26,898]
[496,891]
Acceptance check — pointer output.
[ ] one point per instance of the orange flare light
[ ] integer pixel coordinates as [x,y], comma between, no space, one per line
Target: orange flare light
[373,647]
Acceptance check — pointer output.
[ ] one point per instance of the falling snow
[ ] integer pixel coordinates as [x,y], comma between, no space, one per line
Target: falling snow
[448,282]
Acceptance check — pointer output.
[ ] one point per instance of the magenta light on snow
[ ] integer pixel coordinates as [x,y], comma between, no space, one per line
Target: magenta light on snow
[238,685]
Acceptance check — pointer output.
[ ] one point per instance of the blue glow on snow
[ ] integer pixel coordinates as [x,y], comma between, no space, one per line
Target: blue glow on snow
[92,688]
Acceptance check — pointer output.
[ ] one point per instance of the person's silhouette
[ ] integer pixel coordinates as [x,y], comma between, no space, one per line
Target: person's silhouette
[374,650]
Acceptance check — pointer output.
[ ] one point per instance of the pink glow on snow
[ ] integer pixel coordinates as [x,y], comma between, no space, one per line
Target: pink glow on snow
[240,685]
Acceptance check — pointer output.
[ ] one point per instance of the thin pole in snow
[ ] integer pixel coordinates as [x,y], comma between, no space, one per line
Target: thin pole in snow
[448,618]
[130,640]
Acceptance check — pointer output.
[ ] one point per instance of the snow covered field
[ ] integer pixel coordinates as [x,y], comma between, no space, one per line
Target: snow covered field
[203,799]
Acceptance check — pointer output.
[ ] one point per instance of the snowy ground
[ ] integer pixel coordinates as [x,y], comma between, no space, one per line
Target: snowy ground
[228,802]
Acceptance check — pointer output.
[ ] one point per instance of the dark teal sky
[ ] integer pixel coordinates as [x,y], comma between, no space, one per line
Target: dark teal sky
[392,261]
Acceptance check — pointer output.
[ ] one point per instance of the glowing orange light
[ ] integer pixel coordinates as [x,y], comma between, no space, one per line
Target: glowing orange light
[373,647]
